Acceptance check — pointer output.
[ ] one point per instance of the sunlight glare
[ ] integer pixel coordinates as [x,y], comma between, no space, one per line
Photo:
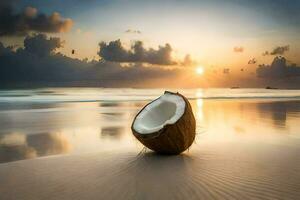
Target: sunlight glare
[199,70]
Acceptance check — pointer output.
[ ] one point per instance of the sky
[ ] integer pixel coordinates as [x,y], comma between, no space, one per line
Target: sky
[211,33]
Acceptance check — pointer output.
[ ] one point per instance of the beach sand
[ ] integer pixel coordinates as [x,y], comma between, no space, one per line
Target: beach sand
[245,148]
[231,170]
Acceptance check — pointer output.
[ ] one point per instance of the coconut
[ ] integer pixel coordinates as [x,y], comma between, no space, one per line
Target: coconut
[166,125]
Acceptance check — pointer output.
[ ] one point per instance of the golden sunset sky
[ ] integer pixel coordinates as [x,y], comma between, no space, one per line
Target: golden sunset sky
[215,34]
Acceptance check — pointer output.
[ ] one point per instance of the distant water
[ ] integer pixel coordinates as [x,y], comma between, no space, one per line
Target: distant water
[49,95]
[53,121]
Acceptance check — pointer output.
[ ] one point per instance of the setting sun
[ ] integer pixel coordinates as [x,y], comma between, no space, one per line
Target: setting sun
[200,70]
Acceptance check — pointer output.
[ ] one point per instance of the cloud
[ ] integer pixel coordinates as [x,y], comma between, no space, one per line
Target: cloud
[188,61]
[133,31]
[5,50]
[238,49]
[38,63]
[29,20]
[252,61]
[115,52]
[265,53]
[278,69]
[226,71]
[40,45]
[280,50]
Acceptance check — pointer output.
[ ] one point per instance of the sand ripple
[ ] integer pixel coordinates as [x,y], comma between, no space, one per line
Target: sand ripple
[228,171]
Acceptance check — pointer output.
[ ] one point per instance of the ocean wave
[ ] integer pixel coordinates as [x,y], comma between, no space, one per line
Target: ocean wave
[126,95]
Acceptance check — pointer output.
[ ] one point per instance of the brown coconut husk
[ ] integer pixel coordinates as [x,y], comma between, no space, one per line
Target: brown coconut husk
[172,138]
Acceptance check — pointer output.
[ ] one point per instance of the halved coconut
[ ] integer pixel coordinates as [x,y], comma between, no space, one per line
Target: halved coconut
[166,125]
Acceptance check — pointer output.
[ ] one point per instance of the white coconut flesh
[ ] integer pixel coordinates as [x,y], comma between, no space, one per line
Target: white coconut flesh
[167,109]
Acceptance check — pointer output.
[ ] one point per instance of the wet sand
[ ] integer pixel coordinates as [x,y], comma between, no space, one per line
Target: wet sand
[231,170]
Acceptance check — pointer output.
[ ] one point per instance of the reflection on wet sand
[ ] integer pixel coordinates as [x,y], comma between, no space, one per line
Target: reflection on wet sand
[251,117]
[109,104]
[48,143]
[94,127]
[19,146]
[112,132]
[16,152]
[278,111]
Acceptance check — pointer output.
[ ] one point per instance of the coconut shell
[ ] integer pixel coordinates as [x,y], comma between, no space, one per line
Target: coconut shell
[172,138]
